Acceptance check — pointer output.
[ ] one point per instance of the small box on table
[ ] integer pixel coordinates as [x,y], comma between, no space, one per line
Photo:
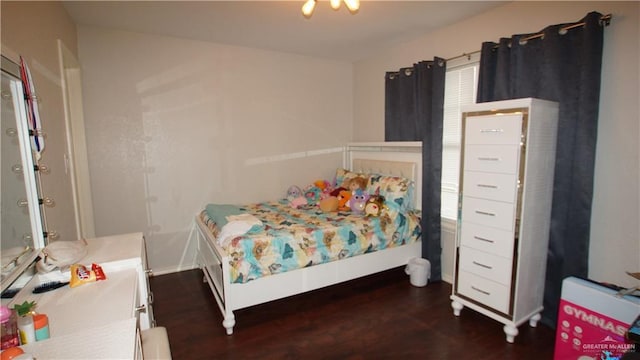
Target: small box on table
[593,321]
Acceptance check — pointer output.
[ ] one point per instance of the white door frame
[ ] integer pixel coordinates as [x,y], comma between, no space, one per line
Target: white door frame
[76,157]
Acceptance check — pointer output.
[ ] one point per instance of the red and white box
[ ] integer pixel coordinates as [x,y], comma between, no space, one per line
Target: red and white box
[593,321]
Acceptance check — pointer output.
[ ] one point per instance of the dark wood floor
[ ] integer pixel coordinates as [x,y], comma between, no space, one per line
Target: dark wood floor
[378,317]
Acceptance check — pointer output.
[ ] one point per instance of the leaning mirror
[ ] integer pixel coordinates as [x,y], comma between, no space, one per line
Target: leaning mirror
[21,223]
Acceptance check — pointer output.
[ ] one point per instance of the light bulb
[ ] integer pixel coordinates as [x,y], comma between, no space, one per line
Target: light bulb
[335,4]
[307,8]
[352,5]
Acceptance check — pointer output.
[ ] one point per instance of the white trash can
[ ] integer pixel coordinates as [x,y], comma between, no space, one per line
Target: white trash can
[419,270]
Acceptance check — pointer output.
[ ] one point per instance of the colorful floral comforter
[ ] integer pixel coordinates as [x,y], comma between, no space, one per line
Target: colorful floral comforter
[295,238]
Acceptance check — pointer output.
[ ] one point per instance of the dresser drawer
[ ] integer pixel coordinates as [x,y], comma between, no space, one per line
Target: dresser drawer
[501,159]
[492,129]
[484,291]
[487,239]
[499,187]
[487,265]
[489,213]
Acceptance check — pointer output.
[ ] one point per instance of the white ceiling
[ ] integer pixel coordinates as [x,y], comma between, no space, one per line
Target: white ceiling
[279,25]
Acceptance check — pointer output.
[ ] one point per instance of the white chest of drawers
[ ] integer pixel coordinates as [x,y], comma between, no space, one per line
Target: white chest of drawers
[101,319]
[126,251]
[506,177]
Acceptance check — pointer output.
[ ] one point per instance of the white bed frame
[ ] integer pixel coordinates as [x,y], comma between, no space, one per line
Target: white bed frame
[391,158]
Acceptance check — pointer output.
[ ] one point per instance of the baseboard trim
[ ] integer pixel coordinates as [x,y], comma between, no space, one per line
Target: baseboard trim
[171,270]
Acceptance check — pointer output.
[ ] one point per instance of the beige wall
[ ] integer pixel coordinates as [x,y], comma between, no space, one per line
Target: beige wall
[174,124]
[615,235]
[31,30]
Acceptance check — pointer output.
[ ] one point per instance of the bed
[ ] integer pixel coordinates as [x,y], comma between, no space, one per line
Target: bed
[296,250]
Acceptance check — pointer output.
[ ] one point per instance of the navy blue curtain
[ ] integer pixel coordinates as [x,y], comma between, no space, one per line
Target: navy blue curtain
[562,65]
[414,100]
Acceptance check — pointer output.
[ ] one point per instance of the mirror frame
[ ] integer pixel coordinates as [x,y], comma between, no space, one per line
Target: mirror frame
[37,232]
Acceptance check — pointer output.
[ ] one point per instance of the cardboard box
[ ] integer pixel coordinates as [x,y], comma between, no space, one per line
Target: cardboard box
[593,321]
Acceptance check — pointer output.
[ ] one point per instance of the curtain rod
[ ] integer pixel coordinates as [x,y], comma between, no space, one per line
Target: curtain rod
[605,20]
[467,55]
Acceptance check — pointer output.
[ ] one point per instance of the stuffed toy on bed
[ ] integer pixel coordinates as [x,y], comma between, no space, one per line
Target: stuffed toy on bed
[298,202]
[374,206]
[358,201]
[324,185]
[312,194]
[350,185]
[295,197]
[329,204]
[358,182]
[343,199]
[293,192]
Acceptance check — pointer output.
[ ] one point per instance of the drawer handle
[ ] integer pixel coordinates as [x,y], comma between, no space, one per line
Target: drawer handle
[141,308]
[491,130]
[486,158]
[487,186]
[483,239]
[482,265]
[480,212]
[481,291]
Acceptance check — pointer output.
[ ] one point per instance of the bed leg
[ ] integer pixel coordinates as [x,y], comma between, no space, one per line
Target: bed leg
[228,323]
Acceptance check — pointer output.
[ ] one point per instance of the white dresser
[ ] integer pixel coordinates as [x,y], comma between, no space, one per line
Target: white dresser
[506,182]
[127,251]
[102,319]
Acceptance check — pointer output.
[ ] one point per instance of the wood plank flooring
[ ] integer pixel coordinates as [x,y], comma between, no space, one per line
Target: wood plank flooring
[378,317]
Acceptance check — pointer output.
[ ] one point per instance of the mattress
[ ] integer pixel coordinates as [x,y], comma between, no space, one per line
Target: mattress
[292,238]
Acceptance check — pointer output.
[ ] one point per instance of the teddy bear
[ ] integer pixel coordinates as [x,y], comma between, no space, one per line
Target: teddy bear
[374,206]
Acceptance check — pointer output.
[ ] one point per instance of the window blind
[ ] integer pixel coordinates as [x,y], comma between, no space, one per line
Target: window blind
[461,83]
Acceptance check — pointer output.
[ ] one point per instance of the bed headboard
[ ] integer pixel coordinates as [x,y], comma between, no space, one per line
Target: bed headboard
[396,158]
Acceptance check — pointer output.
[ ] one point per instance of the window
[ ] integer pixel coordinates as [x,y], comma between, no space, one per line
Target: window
[460,89]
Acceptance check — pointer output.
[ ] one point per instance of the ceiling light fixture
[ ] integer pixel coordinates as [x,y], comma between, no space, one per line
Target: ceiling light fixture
[310,5]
